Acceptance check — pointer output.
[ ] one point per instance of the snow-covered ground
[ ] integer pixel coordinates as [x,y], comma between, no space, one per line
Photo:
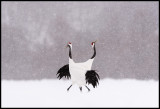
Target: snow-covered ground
[53,93]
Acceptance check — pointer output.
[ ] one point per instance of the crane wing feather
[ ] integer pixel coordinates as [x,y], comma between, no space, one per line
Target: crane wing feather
[92,77]
[64,72]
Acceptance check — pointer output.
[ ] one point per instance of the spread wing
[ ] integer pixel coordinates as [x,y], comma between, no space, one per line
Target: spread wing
[92,77]
[64,72]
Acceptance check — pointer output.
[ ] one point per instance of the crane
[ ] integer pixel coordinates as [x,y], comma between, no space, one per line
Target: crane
[80,73]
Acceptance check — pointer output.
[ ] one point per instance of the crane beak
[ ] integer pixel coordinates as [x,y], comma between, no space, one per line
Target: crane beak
[95,41]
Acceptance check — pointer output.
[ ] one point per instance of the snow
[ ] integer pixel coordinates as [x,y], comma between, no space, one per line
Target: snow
[53,93]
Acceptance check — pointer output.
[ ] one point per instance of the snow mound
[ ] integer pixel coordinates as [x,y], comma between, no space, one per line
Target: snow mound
[53,93]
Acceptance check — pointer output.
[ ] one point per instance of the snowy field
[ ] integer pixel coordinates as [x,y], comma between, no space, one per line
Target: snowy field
[53,93]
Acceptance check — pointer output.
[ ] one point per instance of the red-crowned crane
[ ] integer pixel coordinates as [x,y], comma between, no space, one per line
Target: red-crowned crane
[80,73]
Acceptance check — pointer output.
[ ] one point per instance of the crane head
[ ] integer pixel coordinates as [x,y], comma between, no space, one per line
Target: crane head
[69,45]
[93,43]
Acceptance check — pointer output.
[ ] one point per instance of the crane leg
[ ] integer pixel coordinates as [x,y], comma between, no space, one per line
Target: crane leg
[80,89]
[69,87]
[88,88]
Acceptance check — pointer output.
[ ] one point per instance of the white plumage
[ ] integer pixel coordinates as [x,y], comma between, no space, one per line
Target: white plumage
[78,71]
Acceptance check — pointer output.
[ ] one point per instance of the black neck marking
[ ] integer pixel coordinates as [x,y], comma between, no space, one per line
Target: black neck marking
[94,54]
[70,54]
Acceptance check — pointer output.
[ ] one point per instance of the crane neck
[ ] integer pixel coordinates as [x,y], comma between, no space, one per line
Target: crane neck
[70,52]
[94,54]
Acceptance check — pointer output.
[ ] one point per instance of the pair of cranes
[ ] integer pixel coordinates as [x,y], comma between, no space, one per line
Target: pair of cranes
[79,73]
